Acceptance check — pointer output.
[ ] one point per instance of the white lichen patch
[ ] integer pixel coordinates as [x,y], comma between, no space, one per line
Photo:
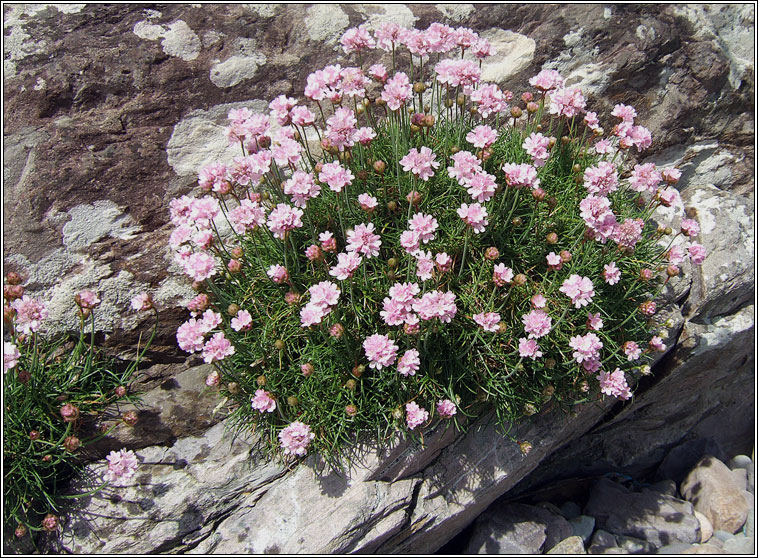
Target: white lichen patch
[722,330]
[236,69]
[455,12]
[263,10]
[177,38]
[200,139]
[572,38]
[92,222]
[578,64]
[513,53]
[325,23]
[377,14]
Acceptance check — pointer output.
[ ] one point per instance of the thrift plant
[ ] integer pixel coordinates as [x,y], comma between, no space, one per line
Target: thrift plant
[53,389]
[409,244]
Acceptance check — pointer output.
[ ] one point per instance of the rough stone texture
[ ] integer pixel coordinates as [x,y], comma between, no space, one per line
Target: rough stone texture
[654,517]
[583,526]
[116,106]
[571,545]
[715,493]
[602,542]
[706,529]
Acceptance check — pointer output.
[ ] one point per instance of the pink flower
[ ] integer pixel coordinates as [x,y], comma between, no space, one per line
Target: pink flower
[190,335]
[328,242]
[567,102]
[378,72]
[436,304]
[614,384]
[421,163]
[443,262]
[554,261]
[456,73]
[87,299]
[690,227]
[538,301]
[528,348]
[672,175]
[284,218]
[490,100]
[628,233]
[489,321]
[280,108]
[645,178]
[603,146]
[213,177]
[341,128]
[697,253]
[410,241]
[579,289]
[312,314]
[465,165]
[347,263]
[397,91]
[242,321]
[632,350]
[474,215]
[263,402]
[601,179]
[415,415]
[387,35]
[537,324]
[142,302]
[380,351]
[669,196]
[424,265]
[11,355]
[121,466]
[29,314]
[502,275]
[357,39]
[591,120]
[210,320]
[313,252]
[409,363]
[365,135]
[325,294]
[213,379]
[249,215]
[363,240]
[367,202]
[302,116]
[657,344]
[611,273]
[547,80]
[537,146]
[424,226]
[482,136]
[296,438]
[302,187]
[446,408]
[624,112]
[517,176]
[594,321]
[586,347]
[335,176]
[218,347]
[482,186]
[404,293]
[278,274]
[597,215]
[394,312]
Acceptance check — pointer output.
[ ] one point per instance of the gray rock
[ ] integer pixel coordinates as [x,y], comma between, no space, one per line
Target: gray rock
[602,542]
[716,542]
[751,480]
[654,517]
[517,528]
[706,529]
[740,462]
[704,549]
[712,489]
[583,526]
[675,548]
[667,487]
[749,528]
[570,510]
[740,477]
[571,545]
[740,545]
[722,535]
[632,545]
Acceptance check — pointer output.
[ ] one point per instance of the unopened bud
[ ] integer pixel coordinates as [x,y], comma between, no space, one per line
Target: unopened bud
[532,107]
[379,166]
[234,266]
[520,279]
[233,309]
[351,410]
[565,256]
[13,278]
[351,384]
[292,401]
[517,221]
[358,371]
[279,345]
[71,443]
[429,120]
[516,112]
[233,387]
[50,522]
[261,380]
[69,413]
[20,531]
[34,435]
[130,418]
[392,206]
[419,87]
[448,103]
[538,194]
[672,271]
[530,409]
[307,369]
[492,253]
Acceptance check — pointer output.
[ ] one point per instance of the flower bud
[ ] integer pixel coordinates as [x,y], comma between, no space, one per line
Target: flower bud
[13,278]
[413,197]
[232,309]
[392,206]
[448,103]
[237,252]
[69,412]
[336,331]
[292,401]
[419,87]
[538,194]
[565,256]
[233,387]
[20,531]
[551,143]
[429,120]
[550,363]
[351,410]
[379,101]
[71,443]
[379,166]
[648,308]
[397,413]
[362,175]
[351,384]
[415,128]
[461,100]
[360,109]
[502,328]
[565,140]
[532,107]
[530,409]
[577,168]
[291,297]
[517,221]
[519,279]
[279,345]
[307,369]
[24,376]
[552,202]
[454,149]
[492,253]
[358,371]
[130,418]
[646,274]
[50,523]
[539,129]
[47,459]
[213,379]
[548,392]
[12,292]
[234,266]
[551,238]
[516,112]
[261,380]
[672,271]
[34,435]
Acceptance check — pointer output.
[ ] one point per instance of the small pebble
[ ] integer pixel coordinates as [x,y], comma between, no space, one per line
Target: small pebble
[740,462]
[550,507]
[723,536]
[571,545]
[632,545]
[704,549]
[706,529]
[583,526]
[570,510]
[602,541]
[740,545]
[740,476]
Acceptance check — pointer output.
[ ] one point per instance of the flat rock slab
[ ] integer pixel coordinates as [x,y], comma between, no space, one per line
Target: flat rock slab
[571,545]
[657,518]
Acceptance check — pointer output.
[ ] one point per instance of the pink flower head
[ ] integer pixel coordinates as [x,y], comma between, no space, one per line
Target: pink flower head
[242,321]
[614,384]
[594,321]
[296,438]
[538,301]
[443,262]
[341,128]
[611,273]
[367,202]
[567,102]
[436,304]
[628,233]
[461,72]
[263,402]
[632,350]
[537,146]
[302,116]
[122,465]
[474,215]
[142,302]
[404,293]
[248,215]
[424,265]
[312,314]
[415,415]
[489,321]
[218,347]
[601,179]
[328,242]
[669,197]
[365,135]
[554,261]
[278,274]
[490,100]
[11,355]
[284,218]
[29,314]
[302,187]
[213,379]
[210,320]
[409,363]
[325,294]
[199,266]
[528,348]
[645,178]
[547,80]
[671,176]
[335,176]
[697,253]
[394,312]
[482,49]
[421,163]
[397,91]
[363,240]
[313,252]
[591,120]
[465,166]
[657,344]
[280,108]
[482,186]
[347,263]
[446,408]
[517,176]
[213,177]
[378,72]
[387,35]
[87,299]
[380,351]
[586,347]
[410,241]
[357,39]
[624,112]
[424,226]
[690,227]
[579,289]
[597,215]
[537,324]
[482,136]
[502,275]
[190,335]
